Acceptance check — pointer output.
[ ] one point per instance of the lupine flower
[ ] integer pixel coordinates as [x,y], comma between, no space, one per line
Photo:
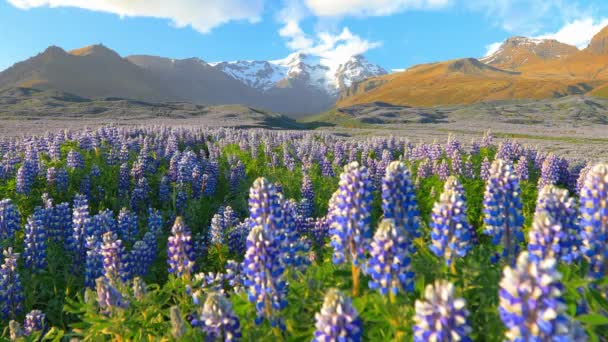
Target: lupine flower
[108,297]
[531,306]
[61,223]
[522,168]
[178,327]
[451,232]
[264,274]
[555,231]
[35,322]
[11,291]
[338,320]
[24,180]
[127,225]
[327,169]
[34,240]
[549,174]
[399,200]
[216,231]
[484,172]
[594,220]
[308,194]
[115,259]
[237,237]
[75,160]
[123,179]
[351,218]
[211,171]
[502,210]
[441,316]
[294,248]
[81,222]
[265,206]
[216,318]
[164,190]
[94,261]
[389,262]
[61,180]
[139,288]
[9,219]
[180,254]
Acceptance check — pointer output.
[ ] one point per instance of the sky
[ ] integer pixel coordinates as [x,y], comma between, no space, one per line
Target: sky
[395,34]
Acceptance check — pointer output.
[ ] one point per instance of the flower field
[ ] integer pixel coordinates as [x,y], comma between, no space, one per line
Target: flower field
[188,234]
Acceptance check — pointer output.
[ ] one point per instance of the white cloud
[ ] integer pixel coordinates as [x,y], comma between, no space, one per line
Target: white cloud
[202,15]
[398,70]
[337,8]
[491,48]
[578,32]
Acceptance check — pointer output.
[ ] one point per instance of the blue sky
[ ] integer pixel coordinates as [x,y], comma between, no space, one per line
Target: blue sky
[393,33]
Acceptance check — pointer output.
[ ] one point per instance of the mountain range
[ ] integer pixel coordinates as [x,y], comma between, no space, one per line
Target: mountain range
[522,68]
[296,85]
[300,84]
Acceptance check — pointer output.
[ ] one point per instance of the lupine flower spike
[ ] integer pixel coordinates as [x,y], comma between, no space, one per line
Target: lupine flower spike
[441,316]
[338,320]
[217,319]
[594,220]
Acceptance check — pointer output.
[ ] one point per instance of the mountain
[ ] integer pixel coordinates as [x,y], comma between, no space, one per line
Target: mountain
[94,71]
[521,68]
[517,51]
[297,85]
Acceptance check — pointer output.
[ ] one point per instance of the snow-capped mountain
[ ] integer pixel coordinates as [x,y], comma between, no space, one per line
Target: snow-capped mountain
[302,68]
[518,51]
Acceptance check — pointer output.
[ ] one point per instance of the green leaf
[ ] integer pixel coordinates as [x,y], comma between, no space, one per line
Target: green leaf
[593,319]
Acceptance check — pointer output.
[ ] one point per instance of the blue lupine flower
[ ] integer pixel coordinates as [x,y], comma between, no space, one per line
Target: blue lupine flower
[531,306]
[127,225]
[237,237]
[327,169]
[61,180]
[451,232]
[34,240]
[502,210]
[399,200]
[443,171]
[522,168]
[265,206]
[351,215]
[230,217]
[108,296]
[140,258]
[216,231]
[308,194]
[484,172]
[441,316]
[550,171]
[81,223]
[555,231]
[9,219]
[11,291]
[24,179]
[164,190]
[123,179]
[294,248]
[75,160]
[35,322]
[594,220]
[180,252]
[264,274]
[338,320]
[216,318]
[115,259]
[94,261]
[389,262]
[211,171]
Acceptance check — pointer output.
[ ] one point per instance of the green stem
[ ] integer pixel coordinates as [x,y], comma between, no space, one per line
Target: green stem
[355,271]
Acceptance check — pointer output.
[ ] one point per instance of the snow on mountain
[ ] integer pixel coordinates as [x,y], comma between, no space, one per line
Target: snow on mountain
[300,67]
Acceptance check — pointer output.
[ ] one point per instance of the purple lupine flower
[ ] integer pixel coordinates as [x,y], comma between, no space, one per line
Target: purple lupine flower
[61,223]
[164,190]
[217,229]
[141,257]
[180,252]
[294,248]
[230,217]
[503,218]
[127,225]
[11,291]
[180,201]
[484,172]
[24,179]
[531,305]
[555,231]
[522,168]
[327,169]
[441,316]
[211,171]
[308,194]
[580,182]
[75,160]
[549,174]
[469,171]
[93,268]
[399,200]
[109,297]
[338,319]
[9,219]
[443,171]
[115,259]
[351,215]
[456,163]
[216,318]
[451,232]
[594,220]
[35,322]
[389,262]
[266,206]
[123,179]
[85,186]
[81,224]
[61,180]
[34,240]
[237,237]
[264,274]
